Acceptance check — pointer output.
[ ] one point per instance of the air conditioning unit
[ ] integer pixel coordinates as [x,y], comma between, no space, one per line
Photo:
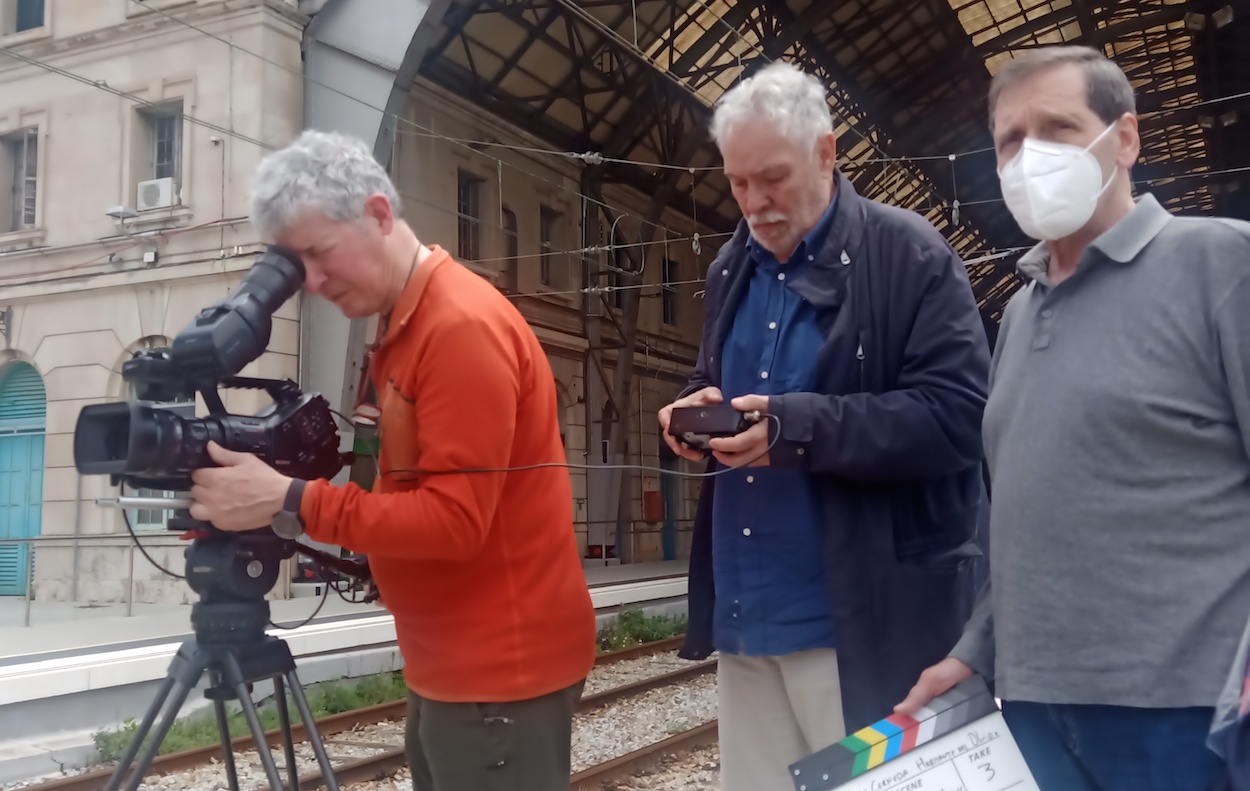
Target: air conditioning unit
[156,194]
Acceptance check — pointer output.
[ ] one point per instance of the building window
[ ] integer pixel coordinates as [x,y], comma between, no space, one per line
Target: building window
[158,155]
[27,15]
[469,215]
[166,145]
[549,241]
[512,246]
[21,158]
[669,293]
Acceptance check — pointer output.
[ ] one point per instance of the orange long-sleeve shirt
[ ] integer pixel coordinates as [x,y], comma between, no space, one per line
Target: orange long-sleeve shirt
[480,570]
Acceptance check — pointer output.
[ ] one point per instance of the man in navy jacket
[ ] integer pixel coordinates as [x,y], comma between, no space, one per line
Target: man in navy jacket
[833,558]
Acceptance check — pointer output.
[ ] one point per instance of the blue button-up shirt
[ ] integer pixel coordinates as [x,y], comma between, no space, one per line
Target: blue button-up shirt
[768,564]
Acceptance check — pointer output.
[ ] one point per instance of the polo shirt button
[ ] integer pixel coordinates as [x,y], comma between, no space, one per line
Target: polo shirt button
[772,325]
[746,531]
[763,374]
[724,272]
[800,451]
[750,479]
[781,275]
[1047,313]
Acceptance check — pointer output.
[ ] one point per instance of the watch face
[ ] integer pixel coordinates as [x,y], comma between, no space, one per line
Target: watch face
[287,525]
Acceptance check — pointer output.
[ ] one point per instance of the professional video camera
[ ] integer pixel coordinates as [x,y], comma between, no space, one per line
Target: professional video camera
[148,446]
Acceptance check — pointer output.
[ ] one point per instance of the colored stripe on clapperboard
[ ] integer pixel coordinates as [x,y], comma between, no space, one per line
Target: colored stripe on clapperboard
[889,738]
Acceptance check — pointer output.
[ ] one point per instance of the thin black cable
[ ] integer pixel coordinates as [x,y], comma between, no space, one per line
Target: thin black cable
[135,537]
[589,467]
[325,597]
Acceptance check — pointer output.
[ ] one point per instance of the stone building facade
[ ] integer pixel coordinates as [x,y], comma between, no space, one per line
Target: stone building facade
[129,136]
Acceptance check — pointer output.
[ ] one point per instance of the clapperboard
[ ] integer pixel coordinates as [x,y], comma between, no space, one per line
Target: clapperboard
[959,742]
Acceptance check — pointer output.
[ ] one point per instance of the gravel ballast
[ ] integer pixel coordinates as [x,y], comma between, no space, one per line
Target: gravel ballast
[598,736]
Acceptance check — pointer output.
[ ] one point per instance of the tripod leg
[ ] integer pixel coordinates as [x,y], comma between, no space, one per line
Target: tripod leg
[305,714]
[162,730]
[288,739]
[227,753]
[132,749]
[234,675]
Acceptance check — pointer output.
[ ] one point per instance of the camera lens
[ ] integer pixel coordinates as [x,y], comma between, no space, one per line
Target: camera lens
[155,437]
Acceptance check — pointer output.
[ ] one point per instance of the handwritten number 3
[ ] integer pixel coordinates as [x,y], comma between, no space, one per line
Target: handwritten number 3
[989,769]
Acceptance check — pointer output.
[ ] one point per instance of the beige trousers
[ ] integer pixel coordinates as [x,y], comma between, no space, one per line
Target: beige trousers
[773,711]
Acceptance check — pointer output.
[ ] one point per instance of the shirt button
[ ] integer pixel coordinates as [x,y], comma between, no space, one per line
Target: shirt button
[772,325]
[811,258]
[746,531]
[800,451]
[750,479]
[763,374]
[1047,313]
[781,275]
[724,273]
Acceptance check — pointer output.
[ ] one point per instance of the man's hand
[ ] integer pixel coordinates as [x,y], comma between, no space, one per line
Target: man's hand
[242,494]
[708,395]
[933,682]
[751,446]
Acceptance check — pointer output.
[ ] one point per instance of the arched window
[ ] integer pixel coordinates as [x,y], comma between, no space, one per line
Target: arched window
[23,415]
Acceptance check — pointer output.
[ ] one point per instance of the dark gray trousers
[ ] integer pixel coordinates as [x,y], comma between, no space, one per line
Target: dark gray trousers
[517,746]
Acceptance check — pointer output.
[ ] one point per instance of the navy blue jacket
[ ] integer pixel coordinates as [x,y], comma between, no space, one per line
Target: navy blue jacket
[893,432]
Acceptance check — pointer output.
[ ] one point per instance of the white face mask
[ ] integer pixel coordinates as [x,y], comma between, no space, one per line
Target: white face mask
[1052,189]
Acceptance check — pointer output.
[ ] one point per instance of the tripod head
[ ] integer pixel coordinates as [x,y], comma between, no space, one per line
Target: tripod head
[232,572]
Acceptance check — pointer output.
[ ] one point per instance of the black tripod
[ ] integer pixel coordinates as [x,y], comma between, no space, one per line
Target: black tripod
[230,645]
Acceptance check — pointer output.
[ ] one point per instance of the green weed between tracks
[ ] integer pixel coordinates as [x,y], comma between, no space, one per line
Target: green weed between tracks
[630,628]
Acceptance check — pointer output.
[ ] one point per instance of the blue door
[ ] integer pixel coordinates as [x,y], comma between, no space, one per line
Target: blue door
[23,411]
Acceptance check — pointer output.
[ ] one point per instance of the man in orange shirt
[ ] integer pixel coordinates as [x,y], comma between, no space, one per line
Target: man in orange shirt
[480,569]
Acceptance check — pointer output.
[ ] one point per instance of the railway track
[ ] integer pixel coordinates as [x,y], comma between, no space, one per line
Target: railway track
[391,759]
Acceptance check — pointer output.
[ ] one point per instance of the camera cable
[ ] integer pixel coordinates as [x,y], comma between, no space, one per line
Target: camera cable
[589,467]
[334,583]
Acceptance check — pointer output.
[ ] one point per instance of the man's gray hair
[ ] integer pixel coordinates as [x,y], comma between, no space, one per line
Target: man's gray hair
[782,94]
[320,172]
[1107,90]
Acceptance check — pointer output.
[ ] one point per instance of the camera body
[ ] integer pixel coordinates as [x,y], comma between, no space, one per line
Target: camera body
[150,447]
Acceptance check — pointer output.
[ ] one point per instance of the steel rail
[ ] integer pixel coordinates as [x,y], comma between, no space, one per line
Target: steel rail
[360,769]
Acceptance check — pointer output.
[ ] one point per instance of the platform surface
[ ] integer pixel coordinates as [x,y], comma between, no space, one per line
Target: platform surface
[61,629]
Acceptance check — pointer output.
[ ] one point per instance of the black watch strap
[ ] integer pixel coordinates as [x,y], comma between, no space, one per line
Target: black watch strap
[294,494]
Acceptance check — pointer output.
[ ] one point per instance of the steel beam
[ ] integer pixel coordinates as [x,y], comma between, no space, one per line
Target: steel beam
[360,60]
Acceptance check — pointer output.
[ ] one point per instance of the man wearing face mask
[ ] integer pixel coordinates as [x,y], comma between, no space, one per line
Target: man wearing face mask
[834,561]
[1117,435]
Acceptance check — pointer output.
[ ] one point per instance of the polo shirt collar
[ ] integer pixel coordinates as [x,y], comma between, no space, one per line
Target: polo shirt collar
[410,297]
[1121,242]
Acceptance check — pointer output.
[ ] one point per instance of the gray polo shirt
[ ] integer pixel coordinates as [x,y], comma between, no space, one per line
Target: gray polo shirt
[1116,432]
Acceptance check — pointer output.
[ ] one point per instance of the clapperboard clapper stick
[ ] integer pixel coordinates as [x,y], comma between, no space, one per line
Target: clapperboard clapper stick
[959,742]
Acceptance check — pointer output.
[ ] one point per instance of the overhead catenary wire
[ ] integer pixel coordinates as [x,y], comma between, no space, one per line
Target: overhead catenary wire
[103,85]
[474,144]
[588,157]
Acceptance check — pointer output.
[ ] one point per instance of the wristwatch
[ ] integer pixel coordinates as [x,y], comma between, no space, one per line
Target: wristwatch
[287,522]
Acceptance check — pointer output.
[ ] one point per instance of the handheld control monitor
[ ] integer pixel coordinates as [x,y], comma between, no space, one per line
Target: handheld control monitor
[696,425]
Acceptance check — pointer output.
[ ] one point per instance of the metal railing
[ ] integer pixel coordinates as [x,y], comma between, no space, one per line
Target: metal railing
[121,541]
[157,542]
